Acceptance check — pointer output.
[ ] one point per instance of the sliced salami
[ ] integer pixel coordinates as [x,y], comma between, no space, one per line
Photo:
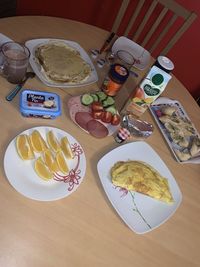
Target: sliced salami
[82,119]
[97,129]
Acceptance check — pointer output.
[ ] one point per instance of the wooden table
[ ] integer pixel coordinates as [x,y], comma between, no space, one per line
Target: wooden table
[84,229]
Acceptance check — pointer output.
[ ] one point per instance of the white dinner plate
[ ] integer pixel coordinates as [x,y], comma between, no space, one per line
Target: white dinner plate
[33,44]
[141,213]
[24,179]
[141,55]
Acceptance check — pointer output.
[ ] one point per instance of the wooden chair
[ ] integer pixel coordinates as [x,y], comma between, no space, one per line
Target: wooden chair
[169,14]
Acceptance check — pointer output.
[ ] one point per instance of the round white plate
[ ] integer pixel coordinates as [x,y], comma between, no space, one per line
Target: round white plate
[23,178]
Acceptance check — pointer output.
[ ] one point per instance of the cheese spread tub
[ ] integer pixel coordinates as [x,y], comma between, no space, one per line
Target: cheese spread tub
[40,104]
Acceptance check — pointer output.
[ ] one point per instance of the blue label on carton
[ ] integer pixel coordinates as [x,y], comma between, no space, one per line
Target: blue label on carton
[40,104]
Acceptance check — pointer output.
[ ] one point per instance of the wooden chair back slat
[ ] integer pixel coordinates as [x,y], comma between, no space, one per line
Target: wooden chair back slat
[133,18]
[146,18]
[120,15]
[165,6]
[154,26]
[163,33]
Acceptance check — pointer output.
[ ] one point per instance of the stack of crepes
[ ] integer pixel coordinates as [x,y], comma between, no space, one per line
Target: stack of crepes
[62,63]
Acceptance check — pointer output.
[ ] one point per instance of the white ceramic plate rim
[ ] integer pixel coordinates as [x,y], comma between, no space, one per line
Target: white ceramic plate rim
[23,178]
[32,44]
[153,212]
[138,52]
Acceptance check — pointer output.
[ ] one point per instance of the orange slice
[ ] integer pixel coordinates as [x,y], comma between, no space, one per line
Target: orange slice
[23,147]
[37,142]
[50,160]
[65,146]
[42,170]
[62,164]
[53,142]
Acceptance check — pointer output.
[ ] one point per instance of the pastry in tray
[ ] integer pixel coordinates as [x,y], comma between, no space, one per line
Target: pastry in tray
[178,130]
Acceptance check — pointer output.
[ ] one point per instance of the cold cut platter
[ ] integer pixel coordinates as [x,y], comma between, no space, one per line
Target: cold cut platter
[94,113]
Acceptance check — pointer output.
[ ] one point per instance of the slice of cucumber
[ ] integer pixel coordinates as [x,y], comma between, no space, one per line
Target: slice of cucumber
[112,109]
[95,97]
[86,99]
[109,101]
[101,95]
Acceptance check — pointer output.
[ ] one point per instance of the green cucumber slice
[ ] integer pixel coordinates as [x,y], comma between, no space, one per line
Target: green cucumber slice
[109,101]
[101,95]
[95,97]
[86,99]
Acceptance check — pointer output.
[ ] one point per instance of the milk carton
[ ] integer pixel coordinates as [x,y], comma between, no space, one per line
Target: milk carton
[149,89]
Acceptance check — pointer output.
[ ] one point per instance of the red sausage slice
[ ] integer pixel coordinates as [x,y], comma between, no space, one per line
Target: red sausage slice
[82,119]
[97,129]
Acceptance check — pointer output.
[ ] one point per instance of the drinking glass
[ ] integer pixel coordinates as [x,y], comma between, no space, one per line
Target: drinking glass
[14,61]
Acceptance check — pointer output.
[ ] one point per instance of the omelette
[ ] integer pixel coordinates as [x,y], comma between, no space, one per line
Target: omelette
[140,177]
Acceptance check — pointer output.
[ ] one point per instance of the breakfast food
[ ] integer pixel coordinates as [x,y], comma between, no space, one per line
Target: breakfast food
[50,160]
[97,129]
[53,142]
[62,63]
[42,170]
[24,148]
[62,164]
[37,142]
[141,177]
[51,157]
[66,149]
[180,131]
[95,113]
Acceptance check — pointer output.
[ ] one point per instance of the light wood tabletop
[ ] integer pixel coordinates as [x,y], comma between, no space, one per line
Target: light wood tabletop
[84,229]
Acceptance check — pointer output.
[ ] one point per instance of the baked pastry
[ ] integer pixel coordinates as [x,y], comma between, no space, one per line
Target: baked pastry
[62,63]
[195,147]
[168,110]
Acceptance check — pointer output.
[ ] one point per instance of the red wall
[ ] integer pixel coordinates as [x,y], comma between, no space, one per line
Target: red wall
[185,54]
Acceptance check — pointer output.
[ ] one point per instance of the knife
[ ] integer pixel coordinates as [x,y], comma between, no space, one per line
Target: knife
[14,92]
[107,42]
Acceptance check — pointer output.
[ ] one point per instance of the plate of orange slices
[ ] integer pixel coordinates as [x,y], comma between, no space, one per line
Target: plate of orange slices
[45,163]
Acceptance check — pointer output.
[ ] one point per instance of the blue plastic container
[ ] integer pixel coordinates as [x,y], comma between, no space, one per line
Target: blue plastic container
[39,104]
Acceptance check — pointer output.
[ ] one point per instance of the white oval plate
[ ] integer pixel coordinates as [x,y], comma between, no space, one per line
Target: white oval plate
[24,179]
[141,213]
[32,44]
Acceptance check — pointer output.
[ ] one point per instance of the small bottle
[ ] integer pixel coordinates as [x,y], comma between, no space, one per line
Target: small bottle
[116,77]
[122,135]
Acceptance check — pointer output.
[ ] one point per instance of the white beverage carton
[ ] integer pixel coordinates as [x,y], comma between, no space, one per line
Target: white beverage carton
[148,90]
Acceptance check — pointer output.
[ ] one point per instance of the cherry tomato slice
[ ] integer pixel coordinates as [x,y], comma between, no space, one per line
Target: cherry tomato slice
[96,106]
[97,115]
[115,119]
[106,117]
